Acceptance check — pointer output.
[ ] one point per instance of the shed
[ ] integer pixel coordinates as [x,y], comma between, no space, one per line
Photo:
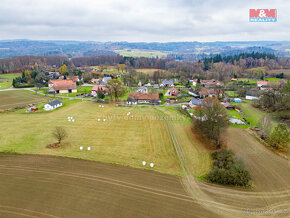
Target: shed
[237,100]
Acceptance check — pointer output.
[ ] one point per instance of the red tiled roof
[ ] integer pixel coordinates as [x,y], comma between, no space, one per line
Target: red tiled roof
[102,88]
[63,84]
[262,82]
[205,92]
[173,89]
[140,96]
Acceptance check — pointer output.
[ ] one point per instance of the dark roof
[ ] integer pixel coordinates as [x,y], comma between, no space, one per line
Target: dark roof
[53,103]
[131,99]
[142,88]
[196,101]
[168,82]
[228,105]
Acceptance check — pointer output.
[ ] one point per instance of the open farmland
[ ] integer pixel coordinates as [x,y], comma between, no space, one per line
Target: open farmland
[141,53]
[42,186]
[16,98]
[78,188]
[120,139]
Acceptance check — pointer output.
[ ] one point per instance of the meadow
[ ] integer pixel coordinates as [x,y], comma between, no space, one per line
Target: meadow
[6,80]
[120,139]
[252,114]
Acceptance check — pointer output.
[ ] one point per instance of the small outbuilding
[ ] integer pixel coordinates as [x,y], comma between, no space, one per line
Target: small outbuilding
[237,100]
[228,106]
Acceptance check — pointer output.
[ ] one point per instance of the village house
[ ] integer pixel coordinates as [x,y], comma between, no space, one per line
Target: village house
[62,86]
[207,83]
[195,102]
[252,96]
[54,75]
[262,83]
[97,81]
[139,98]
[228,106]
[167,83]
[204,93]
[142,90]
[173,92]
[106,79]
[97,88]
[52,105]
[156,86]
[77,79]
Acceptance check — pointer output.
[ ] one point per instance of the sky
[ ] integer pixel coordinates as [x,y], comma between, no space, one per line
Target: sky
[141,20]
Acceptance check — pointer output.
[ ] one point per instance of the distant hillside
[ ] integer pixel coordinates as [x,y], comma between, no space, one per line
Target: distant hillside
[185,51]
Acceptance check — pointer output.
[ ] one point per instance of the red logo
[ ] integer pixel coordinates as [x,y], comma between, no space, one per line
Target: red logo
[263,15]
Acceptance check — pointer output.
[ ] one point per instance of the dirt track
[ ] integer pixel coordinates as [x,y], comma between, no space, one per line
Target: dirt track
[270,174]
[43,186]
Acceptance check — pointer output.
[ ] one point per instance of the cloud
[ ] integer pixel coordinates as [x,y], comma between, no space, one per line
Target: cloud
[140,20]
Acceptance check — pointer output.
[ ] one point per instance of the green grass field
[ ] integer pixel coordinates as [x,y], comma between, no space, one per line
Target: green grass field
[252,114]
[120,140]
[17,98]
[6,80]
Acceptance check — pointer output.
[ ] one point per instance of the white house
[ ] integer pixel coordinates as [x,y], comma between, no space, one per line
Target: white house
[52,105]
[142,90]
[252,96]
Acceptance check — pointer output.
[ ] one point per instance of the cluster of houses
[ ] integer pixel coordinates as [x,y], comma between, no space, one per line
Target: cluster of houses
[101,81]
[268,85]
[206,83]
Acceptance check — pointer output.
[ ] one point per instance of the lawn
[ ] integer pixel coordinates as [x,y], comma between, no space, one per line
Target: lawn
[120,139]
[273,79]
[6,80]
[252,114]
[81,90]
[16,98]
[231,94]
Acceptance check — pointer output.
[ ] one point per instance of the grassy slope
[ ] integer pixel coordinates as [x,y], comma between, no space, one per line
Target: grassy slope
[6,80]
[196,156]
[253,115]
[119,140]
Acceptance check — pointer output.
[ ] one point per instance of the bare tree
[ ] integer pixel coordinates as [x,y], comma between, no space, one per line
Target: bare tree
[59,133]
[265,124]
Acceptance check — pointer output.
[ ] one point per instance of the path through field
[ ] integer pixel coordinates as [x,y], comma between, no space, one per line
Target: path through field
[270,173]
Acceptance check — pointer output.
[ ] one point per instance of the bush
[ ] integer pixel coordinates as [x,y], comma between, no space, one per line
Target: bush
[228,170]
